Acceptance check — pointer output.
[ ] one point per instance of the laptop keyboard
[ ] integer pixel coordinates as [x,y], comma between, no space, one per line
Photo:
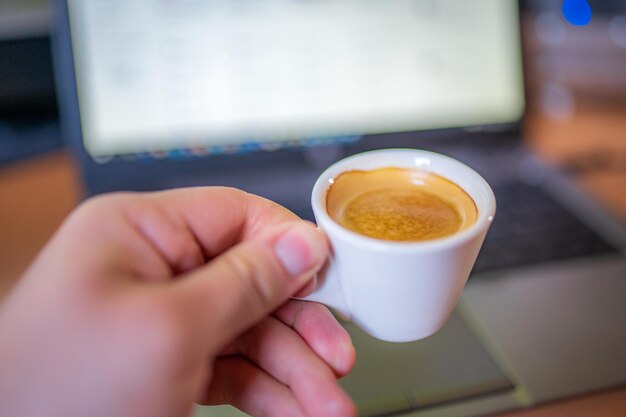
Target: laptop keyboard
[531,228]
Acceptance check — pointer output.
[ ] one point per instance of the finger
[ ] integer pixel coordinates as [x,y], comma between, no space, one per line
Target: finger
[284,355]
[312,285]
[243,385]
[119,243]
[307,289]
[169,235]
[249,281]
[134,236]
[321,331]
[219,217]
[177,228]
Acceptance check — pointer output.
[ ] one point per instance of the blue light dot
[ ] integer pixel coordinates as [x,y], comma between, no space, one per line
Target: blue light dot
[577,12]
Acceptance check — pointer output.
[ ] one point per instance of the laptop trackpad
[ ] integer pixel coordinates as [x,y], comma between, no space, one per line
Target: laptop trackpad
[392,378]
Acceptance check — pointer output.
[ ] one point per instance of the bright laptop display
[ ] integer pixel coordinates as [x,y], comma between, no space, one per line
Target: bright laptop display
[162,75]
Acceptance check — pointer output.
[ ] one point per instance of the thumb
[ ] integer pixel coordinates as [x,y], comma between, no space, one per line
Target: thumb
[249,281]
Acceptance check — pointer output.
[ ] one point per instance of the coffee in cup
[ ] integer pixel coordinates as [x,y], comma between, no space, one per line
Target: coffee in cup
[402,284]
[399,204]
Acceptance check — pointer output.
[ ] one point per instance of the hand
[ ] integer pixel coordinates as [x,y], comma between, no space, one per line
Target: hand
[142,304]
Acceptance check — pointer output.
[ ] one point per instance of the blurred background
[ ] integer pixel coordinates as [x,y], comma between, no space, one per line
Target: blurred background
[573,121]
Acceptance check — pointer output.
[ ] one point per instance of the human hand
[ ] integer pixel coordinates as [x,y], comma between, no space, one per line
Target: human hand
[122,315]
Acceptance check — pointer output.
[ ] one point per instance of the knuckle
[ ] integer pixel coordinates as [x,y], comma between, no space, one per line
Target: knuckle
[106,202]
[187,250]
[180,248]
[95,208]
[194,258]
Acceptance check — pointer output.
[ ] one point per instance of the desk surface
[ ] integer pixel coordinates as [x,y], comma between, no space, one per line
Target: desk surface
[37,194]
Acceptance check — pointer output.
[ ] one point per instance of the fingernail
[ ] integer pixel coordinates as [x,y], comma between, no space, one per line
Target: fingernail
[300,249]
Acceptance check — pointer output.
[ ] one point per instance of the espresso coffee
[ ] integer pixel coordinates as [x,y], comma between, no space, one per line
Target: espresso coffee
[399,204]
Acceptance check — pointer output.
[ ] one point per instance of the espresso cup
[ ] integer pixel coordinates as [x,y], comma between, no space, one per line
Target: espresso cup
[399,291]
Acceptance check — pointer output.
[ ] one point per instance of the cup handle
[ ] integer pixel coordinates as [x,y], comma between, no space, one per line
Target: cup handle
[329,291]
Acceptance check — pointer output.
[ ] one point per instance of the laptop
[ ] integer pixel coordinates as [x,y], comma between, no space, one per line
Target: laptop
[264,95]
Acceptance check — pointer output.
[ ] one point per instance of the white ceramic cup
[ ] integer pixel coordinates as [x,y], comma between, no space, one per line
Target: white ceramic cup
[398,291]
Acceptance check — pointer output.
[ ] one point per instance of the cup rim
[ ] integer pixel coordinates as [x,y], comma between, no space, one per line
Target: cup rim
[485,216]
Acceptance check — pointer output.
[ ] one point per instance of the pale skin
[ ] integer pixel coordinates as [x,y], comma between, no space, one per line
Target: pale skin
[144,304]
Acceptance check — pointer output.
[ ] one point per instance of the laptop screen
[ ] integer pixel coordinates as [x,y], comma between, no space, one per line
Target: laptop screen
[156,75]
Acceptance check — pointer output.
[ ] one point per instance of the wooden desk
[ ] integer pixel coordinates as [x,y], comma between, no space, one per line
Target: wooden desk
[35,197]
